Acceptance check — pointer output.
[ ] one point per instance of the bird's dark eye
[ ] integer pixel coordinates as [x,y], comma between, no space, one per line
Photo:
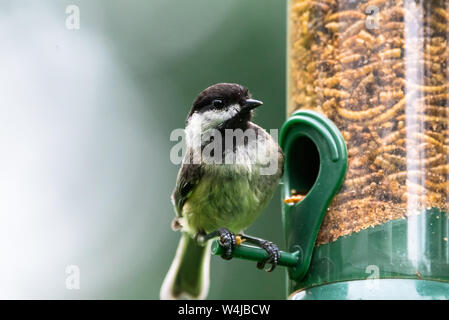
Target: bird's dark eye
[217,103]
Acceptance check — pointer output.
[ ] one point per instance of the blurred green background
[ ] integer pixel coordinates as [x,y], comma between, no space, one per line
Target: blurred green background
[86,117]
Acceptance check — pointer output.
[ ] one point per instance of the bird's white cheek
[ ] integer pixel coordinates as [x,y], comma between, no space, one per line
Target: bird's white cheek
[211,119]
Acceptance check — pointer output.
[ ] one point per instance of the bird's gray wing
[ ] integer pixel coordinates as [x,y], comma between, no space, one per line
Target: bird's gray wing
[188,177]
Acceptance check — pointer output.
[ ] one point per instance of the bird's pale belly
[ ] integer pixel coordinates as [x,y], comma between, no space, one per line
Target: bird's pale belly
[232,202]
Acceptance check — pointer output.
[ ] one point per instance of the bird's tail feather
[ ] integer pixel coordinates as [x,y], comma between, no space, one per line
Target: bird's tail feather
[188,276]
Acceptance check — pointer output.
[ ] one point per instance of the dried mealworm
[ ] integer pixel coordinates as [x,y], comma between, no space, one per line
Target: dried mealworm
[384,164]
[353,29]
[425,138]
[391,148]
[390,53]
[356,172]
[364,70]
[346,59]
[321,5]
[329,104]
[409,174]
[345,196]
[334,93]
[394,13]
[363,180]
[436,135]
[367,37]
[391,95]
[439,27]
[369,189]
[441,169]
[347,103]
[424,118]
[360,161]
[430,99]
[300,7]
[428,148]
[395,159]
[388,125]
[435,50]
[330,2]
[390,113]
[345,15]
[437,40]
[394,136]
[332,82]
[394,25]
[380,41]
[336,26]
[329,107]
[437,186]
[375,3]
[354,151]
[399,68]
[360,115]
[428,89]
[442,13]
[294,199]
[429,161]
[365,81]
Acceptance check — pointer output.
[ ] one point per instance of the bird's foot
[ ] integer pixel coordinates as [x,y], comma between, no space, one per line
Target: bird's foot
[273,255]
[227,241]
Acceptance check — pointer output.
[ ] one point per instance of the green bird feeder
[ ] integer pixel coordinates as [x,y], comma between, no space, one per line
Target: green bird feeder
[366,144]
[378,71]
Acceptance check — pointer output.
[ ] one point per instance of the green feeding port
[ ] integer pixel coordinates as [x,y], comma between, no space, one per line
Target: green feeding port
[315,165]
[303,164]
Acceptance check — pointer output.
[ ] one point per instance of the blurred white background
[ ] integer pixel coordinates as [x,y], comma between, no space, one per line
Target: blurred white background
[85,118]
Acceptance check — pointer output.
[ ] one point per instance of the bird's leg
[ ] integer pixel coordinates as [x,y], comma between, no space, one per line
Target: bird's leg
[226,238]
[272,250]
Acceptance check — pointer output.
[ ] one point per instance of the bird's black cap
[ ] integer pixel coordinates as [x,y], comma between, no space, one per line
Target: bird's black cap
[225,93]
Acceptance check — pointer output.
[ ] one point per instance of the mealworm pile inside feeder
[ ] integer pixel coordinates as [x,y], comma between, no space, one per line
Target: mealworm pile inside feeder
[378,69]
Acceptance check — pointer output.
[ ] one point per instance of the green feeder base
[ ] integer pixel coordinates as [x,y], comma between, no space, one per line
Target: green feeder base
[377,289]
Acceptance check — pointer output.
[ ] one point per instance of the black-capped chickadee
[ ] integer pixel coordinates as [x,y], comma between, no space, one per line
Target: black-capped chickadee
[229,173]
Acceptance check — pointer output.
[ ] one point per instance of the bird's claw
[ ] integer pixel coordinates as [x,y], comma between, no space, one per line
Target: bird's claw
[228,242]
[273,256]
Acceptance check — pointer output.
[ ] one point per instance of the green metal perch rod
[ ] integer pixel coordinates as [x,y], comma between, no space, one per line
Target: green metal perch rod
[247,252]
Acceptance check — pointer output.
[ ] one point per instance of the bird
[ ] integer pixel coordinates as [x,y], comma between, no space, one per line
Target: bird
[219,198]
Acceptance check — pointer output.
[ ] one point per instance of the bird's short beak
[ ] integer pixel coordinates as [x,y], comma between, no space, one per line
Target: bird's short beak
[252,104]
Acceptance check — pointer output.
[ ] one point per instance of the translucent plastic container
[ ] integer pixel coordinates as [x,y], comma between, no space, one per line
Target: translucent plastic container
[379,70]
